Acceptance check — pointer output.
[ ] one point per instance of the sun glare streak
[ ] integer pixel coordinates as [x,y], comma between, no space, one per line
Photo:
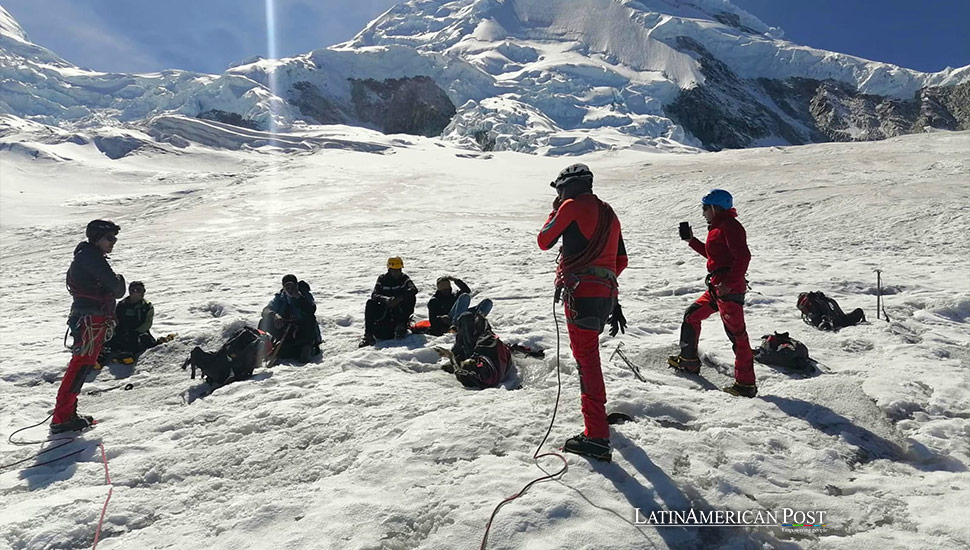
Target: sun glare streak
[271,202]
[272,55]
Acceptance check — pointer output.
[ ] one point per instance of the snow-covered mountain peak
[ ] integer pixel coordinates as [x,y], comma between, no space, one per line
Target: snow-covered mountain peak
[620,69]
[545,76]
[10,27]
[504,36]
[642,35]
[438,24]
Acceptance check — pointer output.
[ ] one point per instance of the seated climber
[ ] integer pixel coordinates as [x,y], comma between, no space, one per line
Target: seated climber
[132,335]
[388,313]
[439,307]
[290,317]
[446,305]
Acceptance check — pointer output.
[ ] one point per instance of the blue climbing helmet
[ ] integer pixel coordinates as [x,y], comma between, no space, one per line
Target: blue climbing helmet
[720,198]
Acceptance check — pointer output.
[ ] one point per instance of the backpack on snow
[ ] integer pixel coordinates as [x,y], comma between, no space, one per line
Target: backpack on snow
[824,313]
[780,350]
[236,359]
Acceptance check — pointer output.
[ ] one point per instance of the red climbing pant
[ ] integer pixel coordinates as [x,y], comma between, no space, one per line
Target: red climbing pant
[89,335]
[732,315]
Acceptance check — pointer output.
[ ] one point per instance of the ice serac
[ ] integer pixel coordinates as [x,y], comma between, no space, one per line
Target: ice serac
[538,76]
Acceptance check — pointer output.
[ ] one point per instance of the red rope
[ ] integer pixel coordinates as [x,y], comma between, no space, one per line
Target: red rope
[536,456]
[107,478]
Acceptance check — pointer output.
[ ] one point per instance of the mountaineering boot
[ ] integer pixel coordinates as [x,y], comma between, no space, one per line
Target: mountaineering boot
[593,447]
[76,423]
[400,331]
[106,356]
[681,363]
[367,340]
[742,390]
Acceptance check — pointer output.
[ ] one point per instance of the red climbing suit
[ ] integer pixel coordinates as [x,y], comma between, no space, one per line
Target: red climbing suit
[728,257]
[593,255]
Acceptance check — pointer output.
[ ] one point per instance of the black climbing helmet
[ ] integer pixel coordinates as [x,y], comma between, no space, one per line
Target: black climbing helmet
[99,228]
[574,173]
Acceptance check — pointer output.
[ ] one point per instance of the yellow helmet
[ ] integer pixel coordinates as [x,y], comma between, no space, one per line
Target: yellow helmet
[395,262]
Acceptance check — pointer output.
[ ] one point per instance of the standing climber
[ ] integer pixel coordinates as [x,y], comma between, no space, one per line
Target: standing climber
[727,256]
[591,258]
[94,287]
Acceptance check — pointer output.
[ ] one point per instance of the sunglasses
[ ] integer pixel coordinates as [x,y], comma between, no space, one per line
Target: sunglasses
[111,238]
[706,207]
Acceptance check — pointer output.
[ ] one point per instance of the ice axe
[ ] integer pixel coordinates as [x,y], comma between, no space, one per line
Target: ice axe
[633,367]
[879,306]
[275,352]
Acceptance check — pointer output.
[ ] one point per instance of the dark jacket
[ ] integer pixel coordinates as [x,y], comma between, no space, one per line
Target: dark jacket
[135,318]
[301,310]
[92,283]
[388,287]
[726,251]
[290,308]
[441,304]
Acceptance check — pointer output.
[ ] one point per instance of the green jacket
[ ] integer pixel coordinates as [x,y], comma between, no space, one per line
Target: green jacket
[135,317]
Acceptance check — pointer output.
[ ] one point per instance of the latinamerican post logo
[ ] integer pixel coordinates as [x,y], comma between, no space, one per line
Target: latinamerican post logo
[788,519]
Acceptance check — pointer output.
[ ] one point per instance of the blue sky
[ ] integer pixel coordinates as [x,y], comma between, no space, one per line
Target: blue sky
[926,35]
[209,35]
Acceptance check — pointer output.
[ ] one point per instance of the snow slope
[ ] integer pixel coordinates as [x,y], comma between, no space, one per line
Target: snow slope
[379,449]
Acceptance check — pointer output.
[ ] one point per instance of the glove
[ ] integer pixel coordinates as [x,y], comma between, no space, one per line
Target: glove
[556,203]
[616,320]
[685,231]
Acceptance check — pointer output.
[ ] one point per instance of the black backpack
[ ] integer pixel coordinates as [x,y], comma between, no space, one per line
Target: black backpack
[780,350]
[236,359]
[824,313]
